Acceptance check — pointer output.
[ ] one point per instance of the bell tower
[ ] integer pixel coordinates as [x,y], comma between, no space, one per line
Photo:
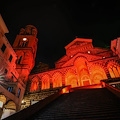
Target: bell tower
[25,46]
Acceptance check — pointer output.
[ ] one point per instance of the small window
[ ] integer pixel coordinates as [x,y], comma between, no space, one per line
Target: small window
[3,48]
[5,71]
[12,78]
[23,42]
[10,89]
[10,58]
[19,60]
[18,92]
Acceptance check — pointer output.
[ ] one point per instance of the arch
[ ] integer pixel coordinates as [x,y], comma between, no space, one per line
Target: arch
[57,79]
[19,60]
[10,105]
[82,70]
[85,79]
[23,42]
[34,83]
[20,55]
[10,108]
[114,69]
[45,80]
[2,100]
[97,73]
[70,78]
[80,63]
[81,59]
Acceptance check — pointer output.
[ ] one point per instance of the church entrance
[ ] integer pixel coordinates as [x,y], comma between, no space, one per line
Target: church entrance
[85,80]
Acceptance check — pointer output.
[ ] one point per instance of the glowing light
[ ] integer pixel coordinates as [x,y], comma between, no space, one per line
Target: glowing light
[89,52]
[71,55]
[24,39]
[65,90]
[22,101]
[103,57]
[1,104]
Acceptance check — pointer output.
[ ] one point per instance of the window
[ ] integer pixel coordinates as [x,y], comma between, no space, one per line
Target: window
[10,58]
[23,42]
[5,71]
[10,89]
[3,48]
[18,93]
[114,71]
[19,60]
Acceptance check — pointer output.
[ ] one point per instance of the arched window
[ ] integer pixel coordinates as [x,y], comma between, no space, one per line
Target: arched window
[23,42]
[97,73]
[45,82]
[70,78]
[114,71]
[57,80]
[19,60]
[34,84]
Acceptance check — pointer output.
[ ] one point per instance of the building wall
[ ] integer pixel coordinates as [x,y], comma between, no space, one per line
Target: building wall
[11,89]
[25,46]
[82,68]
[115,46]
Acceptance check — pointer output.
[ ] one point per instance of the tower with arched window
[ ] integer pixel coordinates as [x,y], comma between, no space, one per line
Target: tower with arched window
[25,46]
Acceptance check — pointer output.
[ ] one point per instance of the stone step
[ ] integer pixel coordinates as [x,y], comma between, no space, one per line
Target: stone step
[82,104]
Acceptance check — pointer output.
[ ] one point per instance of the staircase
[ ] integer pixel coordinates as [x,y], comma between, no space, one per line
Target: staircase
[82,104]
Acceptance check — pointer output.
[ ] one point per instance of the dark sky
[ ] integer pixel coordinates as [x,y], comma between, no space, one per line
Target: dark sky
[60,21]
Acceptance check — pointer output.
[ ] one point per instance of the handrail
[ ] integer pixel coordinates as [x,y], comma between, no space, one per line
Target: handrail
[111,88]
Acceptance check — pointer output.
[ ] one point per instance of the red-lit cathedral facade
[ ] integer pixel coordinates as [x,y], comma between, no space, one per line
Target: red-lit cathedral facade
[82,65]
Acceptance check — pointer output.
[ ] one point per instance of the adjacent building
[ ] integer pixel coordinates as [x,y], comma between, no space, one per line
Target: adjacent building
[16,64]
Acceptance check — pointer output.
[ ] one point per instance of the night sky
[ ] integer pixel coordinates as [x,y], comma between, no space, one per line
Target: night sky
[60,21]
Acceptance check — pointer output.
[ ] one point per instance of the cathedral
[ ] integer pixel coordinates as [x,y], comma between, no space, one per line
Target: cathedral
[82,65]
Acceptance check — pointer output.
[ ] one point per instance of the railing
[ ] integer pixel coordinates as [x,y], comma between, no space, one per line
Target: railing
[111,88]
[29,111]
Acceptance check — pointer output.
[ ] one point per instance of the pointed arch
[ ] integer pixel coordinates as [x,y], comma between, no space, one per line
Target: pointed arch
[20,55]
[57,79]
[114,69]
[97,73]
[45,81]
[81,65]
[35,83]
[70,78]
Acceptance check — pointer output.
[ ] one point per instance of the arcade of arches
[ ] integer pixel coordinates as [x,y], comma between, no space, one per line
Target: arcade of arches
[82,73]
